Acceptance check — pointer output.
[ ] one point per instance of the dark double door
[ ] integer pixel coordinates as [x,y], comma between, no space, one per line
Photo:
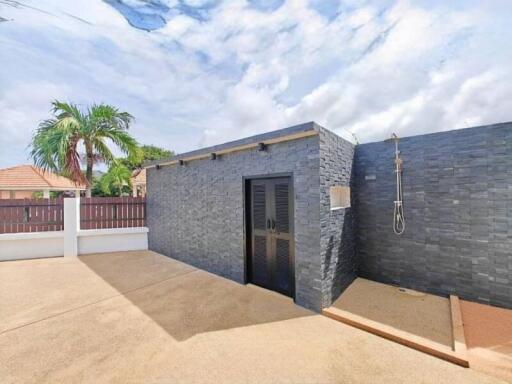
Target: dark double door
[271,213]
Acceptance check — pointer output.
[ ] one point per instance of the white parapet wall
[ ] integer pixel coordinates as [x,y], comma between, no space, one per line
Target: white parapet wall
[112,240]
[72,241]
[19,246]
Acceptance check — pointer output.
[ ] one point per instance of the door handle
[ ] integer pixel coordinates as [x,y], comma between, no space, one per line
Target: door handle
[268,223]
[273,225]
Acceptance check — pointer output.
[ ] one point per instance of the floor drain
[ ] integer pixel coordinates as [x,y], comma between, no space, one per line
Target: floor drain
[411,292]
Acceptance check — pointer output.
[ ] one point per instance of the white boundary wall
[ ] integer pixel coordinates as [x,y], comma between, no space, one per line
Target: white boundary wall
[112,240]
[72,241]
[18,246]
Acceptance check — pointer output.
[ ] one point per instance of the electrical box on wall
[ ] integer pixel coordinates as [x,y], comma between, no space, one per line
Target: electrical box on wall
[340,197]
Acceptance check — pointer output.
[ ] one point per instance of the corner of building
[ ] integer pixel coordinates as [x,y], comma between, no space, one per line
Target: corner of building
[337,238]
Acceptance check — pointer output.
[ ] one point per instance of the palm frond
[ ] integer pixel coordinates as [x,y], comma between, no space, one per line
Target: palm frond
[117,177]
[55,142]
[126,143]
[103,115]
[103,151]
[111,124]
[72,162]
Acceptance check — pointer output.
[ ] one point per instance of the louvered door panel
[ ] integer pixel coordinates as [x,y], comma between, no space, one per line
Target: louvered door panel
[272,246]
[260,273]
[261,240]
[282,273]
[282,207]
[259,206]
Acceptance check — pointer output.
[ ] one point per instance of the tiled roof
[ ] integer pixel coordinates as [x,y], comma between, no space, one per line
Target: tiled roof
[30,177]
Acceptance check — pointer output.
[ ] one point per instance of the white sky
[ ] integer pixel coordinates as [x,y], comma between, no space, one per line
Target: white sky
[217,71]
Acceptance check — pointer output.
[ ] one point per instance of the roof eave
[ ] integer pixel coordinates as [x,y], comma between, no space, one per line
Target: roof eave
[291,133]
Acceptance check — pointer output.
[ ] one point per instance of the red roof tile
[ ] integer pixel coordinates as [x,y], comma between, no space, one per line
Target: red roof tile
[34,178]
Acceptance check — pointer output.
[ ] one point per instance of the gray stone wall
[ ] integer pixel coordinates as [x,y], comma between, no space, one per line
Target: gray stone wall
[336,227]
[458,211]
[196,211]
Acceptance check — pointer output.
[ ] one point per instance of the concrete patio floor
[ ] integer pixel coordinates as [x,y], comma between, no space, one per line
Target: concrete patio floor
[138,317]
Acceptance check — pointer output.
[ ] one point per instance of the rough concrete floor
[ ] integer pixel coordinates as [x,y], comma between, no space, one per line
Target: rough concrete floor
[488,332]
[138,317]
[414,312]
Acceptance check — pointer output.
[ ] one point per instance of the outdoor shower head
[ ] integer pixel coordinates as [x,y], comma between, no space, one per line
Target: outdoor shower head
[398,212]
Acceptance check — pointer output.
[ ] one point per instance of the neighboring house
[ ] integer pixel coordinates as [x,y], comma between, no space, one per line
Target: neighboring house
[24,180]
[139,182]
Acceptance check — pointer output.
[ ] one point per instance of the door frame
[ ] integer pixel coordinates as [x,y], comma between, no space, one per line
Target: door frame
[247,235]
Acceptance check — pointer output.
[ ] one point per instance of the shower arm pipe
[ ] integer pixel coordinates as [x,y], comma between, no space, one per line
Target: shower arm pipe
[398,211]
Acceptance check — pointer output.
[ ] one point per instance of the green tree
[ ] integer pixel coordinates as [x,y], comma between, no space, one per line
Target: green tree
[116,181]
[146,153]
[55,144]
[96,187]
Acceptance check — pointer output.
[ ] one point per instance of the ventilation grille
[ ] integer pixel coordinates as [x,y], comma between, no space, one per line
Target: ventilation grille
[259,260]
[282,274]
[282,214]
[259,206]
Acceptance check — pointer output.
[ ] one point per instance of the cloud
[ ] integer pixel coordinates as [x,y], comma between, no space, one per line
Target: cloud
[17,123]
[410,80]
[214,71]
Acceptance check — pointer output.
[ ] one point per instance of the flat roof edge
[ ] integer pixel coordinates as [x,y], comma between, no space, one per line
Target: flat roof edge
[294,132]
[448,131]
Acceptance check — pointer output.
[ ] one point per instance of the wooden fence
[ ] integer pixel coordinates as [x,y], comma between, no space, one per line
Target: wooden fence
[43,215]
[31,215]
[112,212]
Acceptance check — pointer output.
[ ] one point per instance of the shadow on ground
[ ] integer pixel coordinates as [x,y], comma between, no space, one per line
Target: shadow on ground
[185,301]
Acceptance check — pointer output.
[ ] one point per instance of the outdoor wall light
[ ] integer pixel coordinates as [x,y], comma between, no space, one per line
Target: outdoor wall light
[213,156]
[262,147]
[181,162]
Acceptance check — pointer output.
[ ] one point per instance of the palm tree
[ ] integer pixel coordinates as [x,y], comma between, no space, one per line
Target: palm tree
[55,144]
[117,177]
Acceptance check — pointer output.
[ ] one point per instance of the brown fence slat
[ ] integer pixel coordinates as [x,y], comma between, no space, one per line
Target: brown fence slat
[31,215]
[22,217]
[117,214]
[124,213]
[112,212]
[43,215]
[19,217]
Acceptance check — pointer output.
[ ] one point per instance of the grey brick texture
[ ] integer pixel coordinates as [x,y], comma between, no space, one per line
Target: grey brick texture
[457,201]
[196,211]
[458,210]
[337,248]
